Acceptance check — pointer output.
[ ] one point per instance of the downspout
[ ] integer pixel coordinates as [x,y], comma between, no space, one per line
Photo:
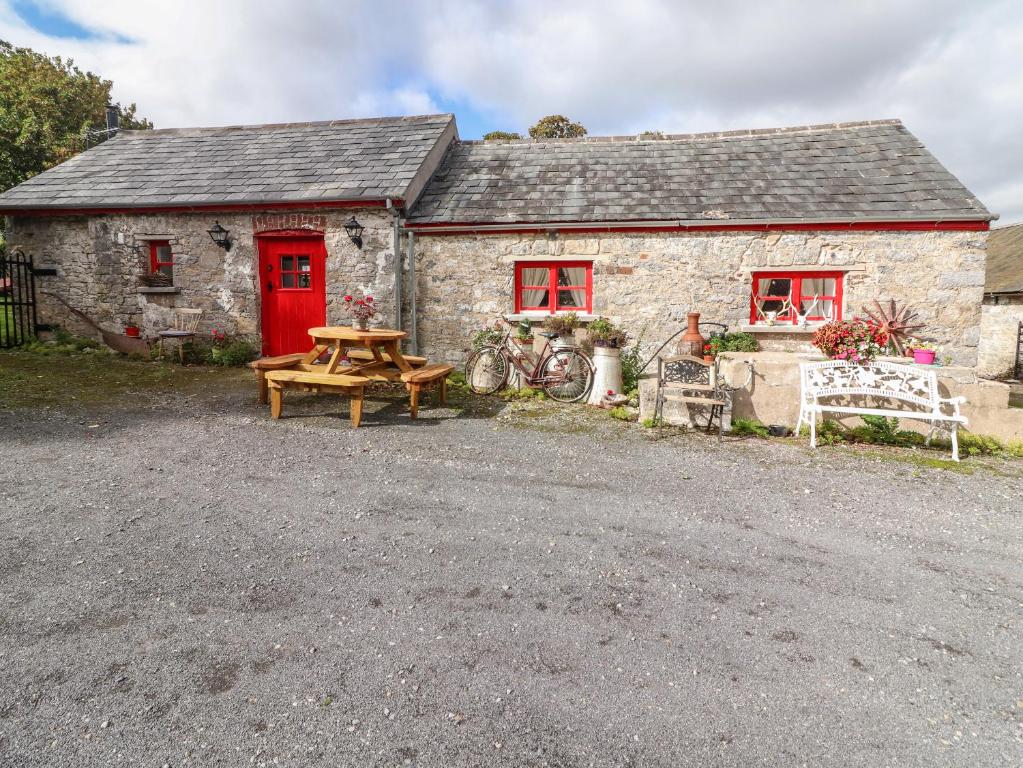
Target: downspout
[396,249]
[412,292]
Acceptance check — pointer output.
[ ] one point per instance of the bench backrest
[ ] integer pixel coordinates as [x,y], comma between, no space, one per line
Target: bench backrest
[834,378]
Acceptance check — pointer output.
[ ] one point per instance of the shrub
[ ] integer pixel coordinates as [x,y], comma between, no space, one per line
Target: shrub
[632,365]
[487,337]
[621,413]
[604,333]
[563,325]
[652,422]
[231,353]
[734,342]
[856,341]
[751,427]
[828,432]
[524,330]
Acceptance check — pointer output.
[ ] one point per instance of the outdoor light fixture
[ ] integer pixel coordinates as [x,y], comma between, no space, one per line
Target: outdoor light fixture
[219,235]
[354,230]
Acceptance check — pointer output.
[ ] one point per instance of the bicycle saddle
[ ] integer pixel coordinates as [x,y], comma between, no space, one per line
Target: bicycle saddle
[549,335]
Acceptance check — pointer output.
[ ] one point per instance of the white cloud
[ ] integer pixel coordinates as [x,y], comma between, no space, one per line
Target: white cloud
[952,71]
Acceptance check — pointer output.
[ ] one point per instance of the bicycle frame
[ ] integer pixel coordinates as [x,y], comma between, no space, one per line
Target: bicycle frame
[533,378]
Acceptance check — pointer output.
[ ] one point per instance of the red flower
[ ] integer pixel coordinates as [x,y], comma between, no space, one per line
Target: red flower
[610,392]
[348,298]
[369,299]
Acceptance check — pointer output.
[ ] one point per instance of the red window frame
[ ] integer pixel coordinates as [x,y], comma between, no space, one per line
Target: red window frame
[796,288]
[295,272]
[552,268]
[156,264]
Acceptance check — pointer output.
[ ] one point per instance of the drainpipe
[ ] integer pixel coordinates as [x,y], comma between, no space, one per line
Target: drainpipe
[412,291]
[396,249]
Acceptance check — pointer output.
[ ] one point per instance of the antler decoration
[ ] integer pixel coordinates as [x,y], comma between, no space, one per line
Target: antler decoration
[898,322]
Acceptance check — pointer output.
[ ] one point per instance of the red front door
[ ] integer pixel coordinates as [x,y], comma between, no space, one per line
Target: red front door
[292,273]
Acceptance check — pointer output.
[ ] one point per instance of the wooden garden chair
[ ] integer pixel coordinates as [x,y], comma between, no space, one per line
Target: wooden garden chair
[186,321]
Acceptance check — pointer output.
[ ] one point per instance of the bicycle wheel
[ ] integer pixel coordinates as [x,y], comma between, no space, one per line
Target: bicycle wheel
[567,376]
[486,370]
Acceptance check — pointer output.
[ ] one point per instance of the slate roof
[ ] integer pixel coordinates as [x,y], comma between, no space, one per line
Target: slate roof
[324,161]
[868,170]
[1005,260]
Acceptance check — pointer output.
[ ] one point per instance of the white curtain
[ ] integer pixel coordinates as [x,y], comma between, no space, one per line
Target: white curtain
[576,296]
[535,296]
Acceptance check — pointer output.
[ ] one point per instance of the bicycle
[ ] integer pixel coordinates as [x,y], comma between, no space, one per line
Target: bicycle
[564,374]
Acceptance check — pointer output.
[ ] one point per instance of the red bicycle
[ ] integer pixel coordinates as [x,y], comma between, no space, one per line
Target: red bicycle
[564,374]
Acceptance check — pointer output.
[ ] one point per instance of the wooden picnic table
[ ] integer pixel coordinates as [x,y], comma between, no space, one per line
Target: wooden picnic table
[358,358]
[378,341]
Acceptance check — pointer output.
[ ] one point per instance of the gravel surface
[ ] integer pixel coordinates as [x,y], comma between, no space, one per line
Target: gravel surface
[189,583]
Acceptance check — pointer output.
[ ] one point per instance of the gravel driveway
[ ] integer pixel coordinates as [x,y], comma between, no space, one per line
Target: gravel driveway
[189,583]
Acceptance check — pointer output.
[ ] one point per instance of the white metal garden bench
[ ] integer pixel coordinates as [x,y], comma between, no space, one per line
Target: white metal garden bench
[838,381]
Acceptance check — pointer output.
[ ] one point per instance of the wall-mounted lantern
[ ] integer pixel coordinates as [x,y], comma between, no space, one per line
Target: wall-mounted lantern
[354,230]
[220,236]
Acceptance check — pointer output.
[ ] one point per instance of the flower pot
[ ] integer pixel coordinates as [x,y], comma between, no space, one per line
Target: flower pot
[362,323]
[923,356]
[692,340]
[132,331]
[608,375]
[708,358]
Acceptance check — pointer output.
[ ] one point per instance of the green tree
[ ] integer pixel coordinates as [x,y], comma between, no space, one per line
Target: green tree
[556,127]
[46,107]
[501,136]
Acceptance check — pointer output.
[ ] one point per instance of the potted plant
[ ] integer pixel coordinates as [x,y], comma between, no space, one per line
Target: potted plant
[524,333]
[563,325]
[608,340]
[708,353]
[361,310]
[132,330]
[856,341]
[923,352]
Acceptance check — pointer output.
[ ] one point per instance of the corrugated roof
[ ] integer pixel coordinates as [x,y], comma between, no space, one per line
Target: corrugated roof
[1005,260]
[870,170]
[290,162]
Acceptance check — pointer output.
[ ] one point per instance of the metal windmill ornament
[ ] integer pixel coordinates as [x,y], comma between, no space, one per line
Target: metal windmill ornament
[897,321]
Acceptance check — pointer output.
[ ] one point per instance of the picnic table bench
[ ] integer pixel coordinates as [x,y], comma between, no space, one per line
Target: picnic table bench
[908,385]
[356,358]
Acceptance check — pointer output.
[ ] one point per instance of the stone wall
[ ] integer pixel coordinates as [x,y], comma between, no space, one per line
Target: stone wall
[98,269]
[648,282]
[999,326]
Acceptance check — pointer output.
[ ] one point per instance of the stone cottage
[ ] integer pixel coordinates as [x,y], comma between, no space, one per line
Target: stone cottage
[1001,348]
[771,231]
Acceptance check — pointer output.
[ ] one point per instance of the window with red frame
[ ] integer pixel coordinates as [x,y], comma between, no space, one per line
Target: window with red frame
[791,295]
[161,261]
[554,286]
[296,272]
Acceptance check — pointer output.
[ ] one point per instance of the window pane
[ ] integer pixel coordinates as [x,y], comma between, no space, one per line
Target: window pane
[774,286]
[535,297]
[536,276]
[287,263]
[303,280]
[571,299]
[287,279]
[166,269]
[303,263]
[571,276]
[163,253]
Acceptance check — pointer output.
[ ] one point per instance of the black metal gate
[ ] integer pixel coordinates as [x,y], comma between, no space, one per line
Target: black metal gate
[1017,372]
[17,299]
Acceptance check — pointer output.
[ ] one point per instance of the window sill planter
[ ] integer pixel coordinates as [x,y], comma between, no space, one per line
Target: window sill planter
[608,374]
[158,289]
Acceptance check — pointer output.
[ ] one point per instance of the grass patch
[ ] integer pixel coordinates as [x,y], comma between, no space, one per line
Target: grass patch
[33,378]
[749,428]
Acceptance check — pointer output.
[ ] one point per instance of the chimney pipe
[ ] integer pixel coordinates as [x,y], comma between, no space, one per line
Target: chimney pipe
[113,118]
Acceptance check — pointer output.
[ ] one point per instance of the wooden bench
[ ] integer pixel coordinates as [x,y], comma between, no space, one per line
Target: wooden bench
[907,384]
[265,364]
[365,355]
[425,378]
[353,386]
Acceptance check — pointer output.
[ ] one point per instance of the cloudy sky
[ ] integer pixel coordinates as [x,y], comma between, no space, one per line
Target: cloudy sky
[951,70]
